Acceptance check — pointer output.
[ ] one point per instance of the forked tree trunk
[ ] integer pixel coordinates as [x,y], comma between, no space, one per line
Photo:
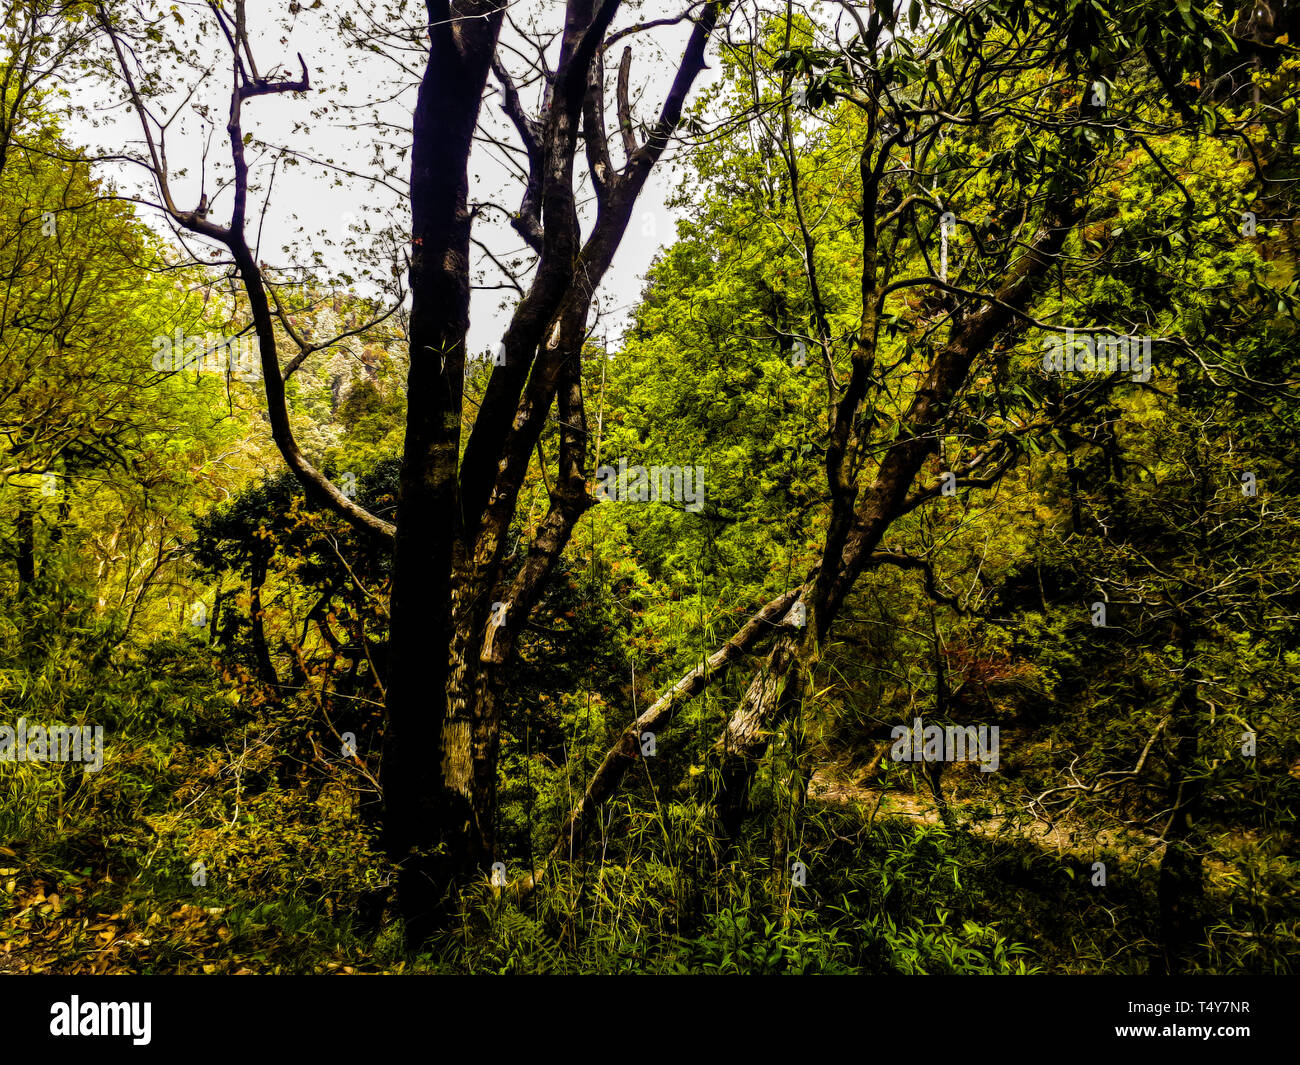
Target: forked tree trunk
[449,640]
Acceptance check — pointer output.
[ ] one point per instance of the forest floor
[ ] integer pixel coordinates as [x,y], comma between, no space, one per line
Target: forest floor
[828,784]
[95,920]
[59,922]
[837,783]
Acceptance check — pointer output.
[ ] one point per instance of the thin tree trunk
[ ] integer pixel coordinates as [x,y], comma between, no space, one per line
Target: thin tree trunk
[26,528]
[1181,887]
[262,656]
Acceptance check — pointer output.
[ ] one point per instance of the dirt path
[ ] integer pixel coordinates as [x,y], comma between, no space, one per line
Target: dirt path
[829,785]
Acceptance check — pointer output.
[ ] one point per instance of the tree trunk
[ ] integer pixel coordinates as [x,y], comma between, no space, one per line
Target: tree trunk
[1181,887]
[855,534]
[26,529]
[261,654]
[427,815]
[627,748]
[770,698]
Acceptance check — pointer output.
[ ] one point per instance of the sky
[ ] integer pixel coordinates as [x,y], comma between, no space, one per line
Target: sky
[356,118]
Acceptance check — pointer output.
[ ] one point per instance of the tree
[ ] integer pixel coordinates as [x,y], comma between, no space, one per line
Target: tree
[93,438]
[979,185]
[451,561]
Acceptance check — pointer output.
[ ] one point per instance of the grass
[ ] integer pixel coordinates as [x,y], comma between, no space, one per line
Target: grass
[202,847]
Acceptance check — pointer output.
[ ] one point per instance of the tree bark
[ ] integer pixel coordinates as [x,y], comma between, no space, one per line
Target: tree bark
[426,815]
[261,654]
[1181,886]
[26,529]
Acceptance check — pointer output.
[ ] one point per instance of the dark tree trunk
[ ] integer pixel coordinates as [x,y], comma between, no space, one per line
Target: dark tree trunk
[426,822]
[261,654]
[1181,887]
[26,529]
[454,588]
